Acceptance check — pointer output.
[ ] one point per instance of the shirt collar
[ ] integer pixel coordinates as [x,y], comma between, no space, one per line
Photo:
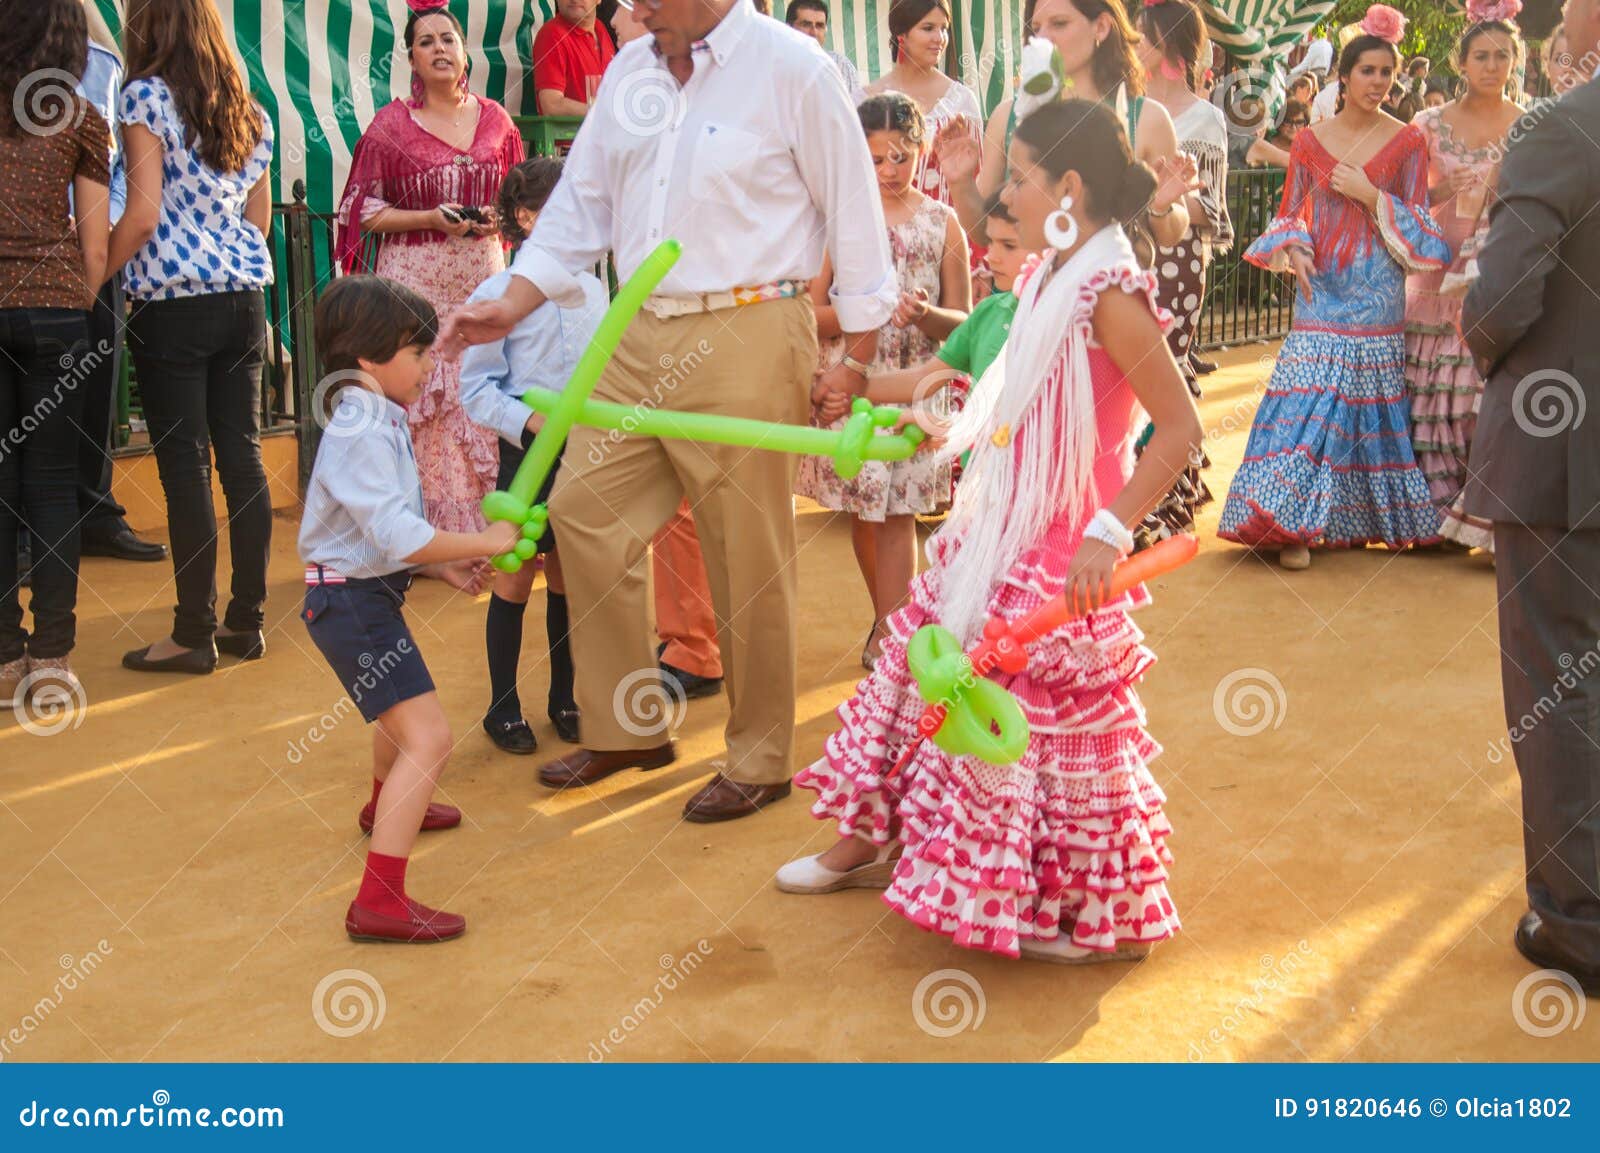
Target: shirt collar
[371,406]
[722,39]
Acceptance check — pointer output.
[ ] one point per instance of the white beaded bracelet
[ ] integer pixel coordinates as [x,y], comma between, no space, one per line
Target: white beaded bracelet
[1107,529]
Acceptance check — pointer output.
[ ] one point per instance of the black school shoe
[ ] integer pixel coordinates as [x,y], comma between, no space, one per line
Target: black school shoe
[565,721]
[513,736]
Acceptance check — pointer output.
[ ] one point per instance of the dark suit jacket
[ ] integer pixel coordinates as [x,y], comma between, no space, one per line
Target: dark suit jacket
[1532,320]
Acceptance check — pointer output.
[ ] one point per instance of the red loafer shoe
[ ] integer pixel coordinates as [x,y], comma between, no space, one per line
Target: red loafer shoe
[438,817]
[423,927]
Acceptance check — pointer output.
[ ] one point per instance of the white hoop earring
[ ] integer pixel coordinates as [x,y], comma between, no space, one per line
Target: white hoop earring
[1061,227]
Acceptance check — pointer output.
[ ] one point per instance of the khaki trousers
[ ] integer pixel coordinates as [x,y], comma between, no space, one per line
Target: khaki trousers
[615,492]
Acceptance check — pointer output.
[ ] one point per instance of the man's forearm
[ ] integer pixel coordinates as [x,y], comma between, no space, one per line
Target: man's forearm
[553,103]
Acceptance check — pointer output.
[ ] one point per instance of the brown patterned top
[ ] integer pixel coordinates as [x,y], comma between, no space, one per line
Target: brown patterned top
[41,265]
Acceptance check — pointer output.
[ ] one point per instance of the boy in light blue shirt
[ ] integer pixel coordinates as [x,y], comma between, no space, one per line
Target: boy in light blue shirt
[540,352]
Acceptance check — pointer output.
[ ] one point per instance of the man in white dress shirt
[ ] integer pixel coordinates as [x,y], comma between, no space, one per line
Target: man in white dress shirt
[731,134]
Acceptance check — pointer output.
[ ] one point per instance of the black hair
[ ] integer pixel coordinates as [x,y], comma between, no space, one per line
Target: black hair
[1355,50]
[528,185]
[893,112]
[1086,137]
[994,209]
[411,23]
[370,318]
[797,6]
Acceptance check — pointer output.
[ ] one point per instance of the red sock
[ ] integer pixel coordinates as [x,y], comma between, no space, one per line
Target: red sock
[377,787]
[383,886]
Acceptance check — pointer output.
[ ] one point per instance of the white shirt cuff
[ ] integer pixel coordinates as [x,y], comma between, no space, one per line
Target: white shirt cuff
[546,274]
[869,312]
[513,420]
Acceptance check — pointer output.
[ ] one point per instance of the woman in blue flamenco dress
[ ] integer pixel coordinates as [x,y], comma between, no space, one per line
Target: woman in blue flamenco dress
[1329,461]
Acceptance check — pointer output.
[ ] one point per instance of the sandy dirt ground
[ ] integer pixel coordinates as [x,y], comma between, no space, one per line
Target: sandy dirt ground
[175,861]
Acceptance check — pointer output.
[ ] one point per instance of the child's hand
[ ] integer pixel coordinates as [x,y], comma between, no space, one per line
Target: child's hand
[1302,265]
[959,150]
[534,423]
[912,308]
[500,537]
[834,406]
[937,427]
[1089,576]
[470,576]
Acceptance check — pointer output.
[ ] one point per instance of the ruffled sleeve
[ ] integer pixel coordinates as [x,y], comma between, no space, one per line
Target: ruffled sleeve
[1289,229]
[1408,230]
[1130,278]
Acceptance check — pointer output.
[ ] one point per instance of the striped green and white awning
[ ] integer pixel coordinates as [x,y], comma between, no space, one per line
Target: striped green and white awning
[323,67]
[1262,30]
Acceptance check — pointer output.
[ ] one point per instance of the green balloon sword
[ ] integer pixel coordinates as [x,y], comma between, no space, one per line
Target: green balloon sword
[849,447]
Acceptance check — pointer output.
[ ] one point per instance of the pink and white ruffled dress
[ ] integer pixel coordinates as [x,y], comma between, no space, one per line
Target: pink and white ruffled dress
[1071,838]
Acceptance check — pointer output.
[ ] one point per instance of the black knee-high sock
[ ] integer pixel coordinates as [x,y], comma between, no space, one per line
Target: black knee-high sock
[555,624]
[502,636]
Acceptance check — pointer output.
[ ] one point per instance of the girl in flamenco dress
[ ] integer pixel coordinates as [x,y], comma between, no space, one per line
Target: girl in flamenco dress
[1329,463]
[1061,856]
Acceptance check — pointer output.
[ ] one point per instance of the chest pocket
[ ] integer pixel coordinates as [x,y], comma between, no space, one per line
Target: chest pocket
[724,166]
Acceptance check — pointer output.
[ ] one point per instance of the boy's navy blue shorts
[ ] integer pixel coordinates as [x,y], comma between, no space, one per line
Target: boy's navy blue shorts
[358,625]
[510,460]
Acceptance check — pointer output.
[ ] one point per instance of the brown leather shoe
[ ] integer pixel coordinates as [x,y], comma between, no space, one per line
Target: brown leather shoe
[725,800]
[586,766]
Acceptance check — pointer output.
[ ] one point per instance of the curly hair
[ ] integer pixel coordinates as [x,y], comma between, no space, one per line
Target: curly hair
[183,43]
[42,37]
[528,185]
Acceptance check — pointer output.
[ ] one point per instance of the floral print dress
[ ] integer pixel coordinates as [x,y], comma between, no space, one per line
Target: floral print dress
[909,487]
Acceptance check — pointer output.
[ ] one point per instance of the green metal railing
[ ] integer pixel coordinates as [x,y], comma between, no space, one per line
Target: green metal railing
[1245,303]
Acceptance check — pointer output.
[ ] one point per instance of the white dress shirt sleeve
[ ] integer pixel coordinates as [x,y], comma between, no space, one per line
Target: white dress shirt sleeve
[574,230]
[831,152]
[486,394]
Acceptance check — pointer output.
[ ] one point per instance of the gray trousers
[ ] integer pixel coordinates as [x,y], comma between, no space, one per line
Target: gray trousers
[1550,671]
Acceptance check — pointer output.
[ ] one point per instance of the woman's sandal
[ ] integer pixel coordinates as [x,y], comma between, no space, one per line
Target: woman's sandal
[810,875]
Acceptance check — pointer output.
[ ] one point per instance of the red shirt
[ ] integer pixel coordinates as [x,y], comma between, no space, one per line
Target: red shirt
[564,55]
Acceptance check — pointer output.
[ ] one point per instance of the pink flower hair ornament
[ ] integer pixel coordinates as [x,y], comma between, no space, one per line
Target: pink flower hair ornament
[1384,22]
[421,6]
[1493,11]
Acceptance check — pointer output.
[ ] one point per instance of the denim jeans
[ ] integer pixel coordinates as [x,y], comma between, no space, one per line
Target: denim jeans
[199,362]
[42,352]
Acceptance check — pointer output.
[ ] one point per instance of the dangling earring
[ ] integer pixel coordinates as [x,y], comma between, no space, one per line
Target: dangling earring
[463,89]
[1061,227]
[417,91]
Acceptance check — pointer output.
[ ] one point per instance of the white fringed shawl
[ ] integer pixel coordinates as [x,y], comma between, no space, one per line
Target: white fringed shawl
[1004,505]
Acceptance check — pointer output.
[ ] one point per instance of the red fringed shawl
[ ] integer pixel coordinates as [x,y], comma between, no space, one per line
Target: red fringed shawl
[401,163]
[1341,229]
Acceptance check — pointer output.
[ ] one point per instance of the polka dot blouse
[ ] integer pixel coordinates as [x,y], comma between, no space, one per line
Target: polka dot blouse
[203,243]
